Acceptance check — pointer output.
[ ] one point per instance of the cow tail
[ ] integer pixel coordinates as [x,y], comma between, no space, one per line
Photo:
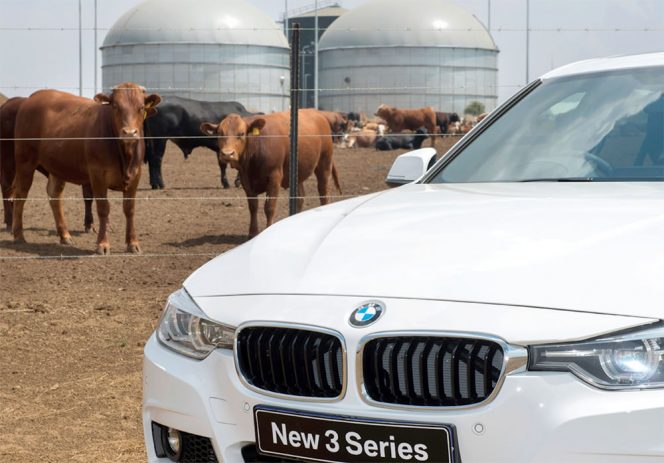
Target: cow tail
[335,177]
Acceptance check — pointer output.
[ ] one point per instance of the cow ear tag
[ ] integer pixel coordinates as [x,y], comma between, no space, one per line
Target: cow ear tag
[256,131]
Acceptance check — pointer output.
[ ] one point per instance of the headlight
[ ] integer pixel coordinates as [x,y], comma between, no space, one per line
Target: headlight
[625,361]
[184,328]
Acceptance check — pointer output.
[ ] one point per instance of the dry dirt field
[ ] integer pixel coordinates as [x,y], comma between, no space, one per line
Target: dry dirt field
[72,329]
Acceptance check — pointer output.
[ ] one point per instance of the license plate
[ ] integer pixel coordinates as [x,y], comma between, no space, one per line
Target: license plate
[341,439]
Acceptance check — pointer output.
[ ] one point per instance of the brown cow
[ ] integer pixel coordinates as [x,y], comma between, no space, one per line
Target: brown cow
[259,147]
[8,113]
[399,120]
[98,141]
[481,117]
[338,122]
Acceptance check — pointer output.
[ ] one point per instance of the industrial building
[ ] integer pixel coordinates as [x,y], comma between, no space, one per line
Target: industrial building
[408,54]
[328,12]
[403,53]
[214,50]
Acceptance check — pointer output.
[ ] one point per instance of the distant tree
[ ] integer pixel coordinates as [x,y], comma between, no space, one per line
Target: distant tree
[474,108]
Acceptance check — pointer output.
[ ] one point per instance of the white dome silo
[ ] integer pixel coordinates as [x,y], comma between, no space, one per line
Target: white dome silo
[202,49]
[411,53]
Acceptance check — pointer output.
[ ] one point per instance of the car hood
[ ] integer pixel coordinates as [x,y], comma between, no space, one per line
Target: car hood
[592,247]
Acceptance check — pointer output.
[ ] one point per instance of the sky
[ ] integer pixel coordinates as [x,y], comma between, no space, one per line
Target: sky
[562,31]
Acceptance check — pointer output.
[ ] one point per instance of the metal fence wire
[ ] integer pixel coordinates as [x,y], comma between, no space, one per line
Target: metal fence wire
[471,81]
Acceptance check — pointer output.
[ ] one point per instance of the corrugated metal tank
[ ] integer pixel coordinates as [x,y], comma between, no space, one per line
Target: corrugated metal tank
[202,49]
[407,54]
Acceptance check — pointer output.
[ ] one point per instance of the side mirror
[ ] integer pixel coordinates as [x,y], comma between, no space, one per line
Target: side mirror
[410,166]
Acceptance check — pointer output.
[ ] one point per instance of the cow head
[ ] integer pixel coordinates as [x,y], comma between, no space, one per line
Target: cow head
[233,132]
[383,111]
[130,106]
[340,124]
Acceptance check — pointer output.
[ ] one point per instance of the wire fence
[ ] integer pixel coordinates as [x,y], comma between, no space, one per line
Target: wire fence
[322,89]
[174,255]
[215,137]
[349,29]
[170,198]
[180,255]
[454,87]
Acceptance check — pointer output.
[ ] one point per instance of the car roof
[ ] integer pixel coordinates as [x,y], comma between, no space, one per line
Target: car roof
[610,63]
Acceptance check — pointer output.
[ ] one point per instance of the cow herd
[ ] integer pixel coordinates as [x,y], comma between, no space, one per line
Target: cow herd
[101,144]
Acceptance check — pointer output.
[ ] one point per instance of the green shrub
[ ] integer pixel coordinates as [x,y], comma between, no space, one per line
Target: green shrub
[474,108]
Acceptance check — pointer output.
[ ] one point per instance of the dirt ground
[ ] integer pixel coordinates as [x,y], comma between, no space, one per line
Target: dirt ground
[72,330]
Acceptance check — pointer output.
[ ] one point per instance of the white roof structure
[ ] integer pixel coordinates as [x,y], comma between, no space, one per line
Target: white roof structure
[233,22]
[610,63]
[412,23]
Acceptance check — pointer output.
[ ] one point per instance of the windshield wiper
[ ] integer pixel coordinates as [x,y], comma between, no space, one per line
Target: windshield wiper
[561,179]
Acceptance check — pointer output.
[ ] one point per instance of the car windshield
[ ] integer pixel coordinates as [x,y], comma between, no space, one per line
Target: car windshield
[606,126]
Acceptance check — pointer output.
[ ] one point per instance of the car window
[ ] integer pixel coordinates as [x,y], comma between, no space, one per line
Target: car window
[566,104]
[606,126]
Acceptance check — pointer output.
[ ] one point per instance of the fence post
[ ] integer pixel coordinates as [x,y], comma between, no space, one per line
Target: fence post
[294,106]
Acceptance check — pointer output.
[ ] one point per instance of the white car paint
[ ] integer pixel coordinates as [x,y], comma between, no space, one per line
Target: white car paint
[528,263]
[502,243]
[606,64]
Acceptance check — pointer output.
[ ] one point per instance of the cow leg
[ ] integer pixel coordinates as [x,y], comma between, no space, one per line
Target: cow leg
[154,158]
[7,204]
[271,199]
[434,132]
[7,172]
[301,194]
[54,189]
[252,200]
[22,183]
[238,180]
[87,200]
[103,210]
[222,171]
[323,172]
[129,206]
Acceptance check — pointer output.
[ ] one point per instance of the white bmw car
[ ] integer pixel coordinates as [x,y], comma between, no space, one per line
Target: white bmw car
[506,307]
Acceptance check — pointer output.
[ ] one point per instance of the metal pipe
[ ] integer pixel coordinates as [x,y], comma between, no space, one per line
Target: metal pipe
[294,101]
[527,41]
[80,50]
[488,14]
[316,56]
[303,63]
[96,48]
[286,18]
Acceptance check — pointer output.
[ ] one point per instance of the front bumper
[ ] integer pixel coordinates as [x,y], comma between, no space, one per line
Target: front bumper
[535,417]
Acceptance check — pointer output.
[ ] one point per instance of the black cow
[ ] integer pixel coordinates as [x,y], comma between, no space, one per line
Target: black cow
[395,142]
[181,117]
[443,120]
[353,116]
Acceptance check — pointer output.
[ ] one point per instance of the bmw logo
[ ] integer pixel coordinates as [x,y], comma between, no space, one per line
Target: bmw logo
[366,314]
